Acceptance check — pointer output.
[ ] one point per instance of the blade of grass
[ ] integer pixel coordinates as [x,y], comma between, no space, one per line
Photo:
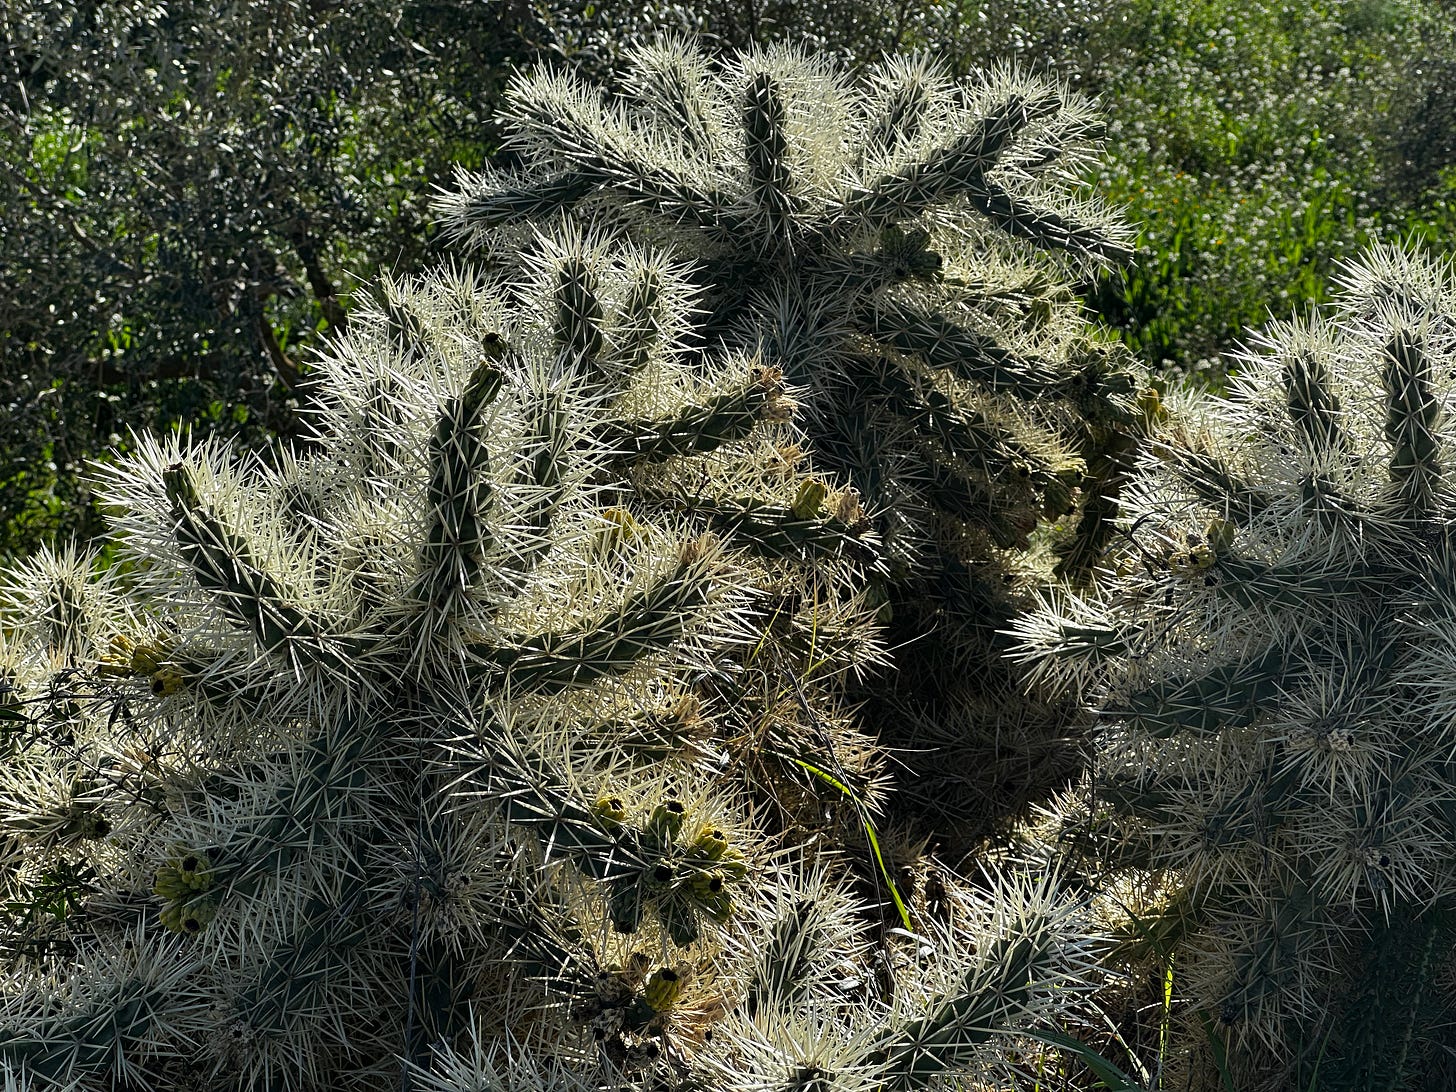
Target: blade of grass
[864,817]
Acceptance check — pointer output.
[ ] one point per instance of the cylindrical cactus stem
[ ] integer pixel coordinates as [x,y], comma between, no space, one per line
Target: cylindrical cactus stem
[547,439]
[223,564]
[540,197]
[957,429]
[902,112]
[722,419]
[944,345]
[1412,424]
[911,1055]
[766,150]
[1220,485]
[458,500]
[119,1021]
[1226,696]
[324,795]
[951,170]
[639,332]
[647,622]
[64,616]
[1040,226]
[1313,406]
[775,530]
[579,318]
[285,990]
[677,84]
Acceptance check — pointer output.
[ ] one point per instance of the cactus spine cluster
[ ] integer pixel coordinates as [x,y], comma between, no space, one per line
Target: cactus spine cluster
[495,744]
[900,248]
[1271,651]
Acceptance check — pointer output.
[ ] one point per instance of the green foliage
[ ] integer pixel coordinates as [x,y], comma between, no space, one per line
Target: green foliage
[189,191]
[1249,140]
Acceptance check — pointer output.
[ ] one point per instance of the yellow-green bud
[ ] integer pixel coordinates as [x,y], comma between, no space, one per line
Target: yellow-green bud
[169,884]
[666,821]
[118,658]
[1193,560]
[663,989]
[611,813]
[146,659]
[733,865]
[1150,406]
[189,918]
[710,843]
[620,528]
[167,681]
[189,871]
[195,870]
[810,496]
[709,885]
[1220,534]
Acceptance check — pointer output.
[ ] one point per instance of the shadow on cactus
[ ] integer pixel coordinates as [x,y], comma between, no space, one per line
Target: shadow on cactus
[1271,653]
[901,248]
[445,744]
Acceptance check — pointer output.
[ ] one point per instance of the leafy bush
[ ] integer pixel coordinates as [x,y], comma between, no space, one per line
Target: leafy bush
[189,191]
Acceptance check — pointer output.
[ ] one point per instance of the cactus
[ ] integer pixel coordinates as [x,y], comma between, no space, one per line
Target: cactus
[477,744]
[1270,653]
[901,248]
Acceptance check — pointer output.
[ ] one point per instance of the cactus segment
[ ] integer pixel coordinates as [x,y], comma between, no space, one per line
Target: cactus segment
[223,564]
[648,622]
[723,419]
[459,499]
[766,151]
[945,346]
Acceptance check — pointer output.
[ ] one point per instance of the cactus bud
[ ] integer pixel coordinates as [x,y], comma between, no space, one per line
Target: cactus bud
[710,843]
[1220,534]
[663,989]
[167,681]
[666,821]
[611,813]
[808,499]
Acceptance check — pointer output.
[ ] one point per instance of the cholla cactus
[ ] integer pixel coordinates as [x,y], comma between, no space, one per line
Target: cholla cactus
[901,249]
[1272,657]
[457,754]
